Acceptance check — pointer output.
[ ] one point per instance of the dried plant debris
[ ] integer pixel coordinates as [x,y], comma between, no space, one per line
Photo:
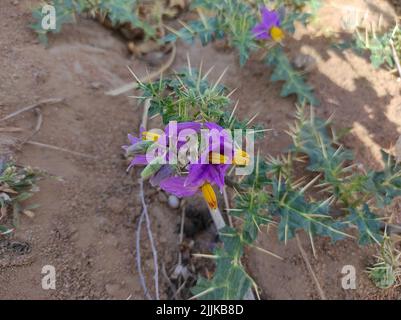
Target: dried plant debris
[17,184]
[135,20]
[387,271]
[383,45]
[248,27]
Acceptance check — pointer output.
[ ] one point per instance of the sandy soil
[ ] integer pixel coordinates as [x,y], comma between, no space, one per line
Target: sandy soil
[85,226]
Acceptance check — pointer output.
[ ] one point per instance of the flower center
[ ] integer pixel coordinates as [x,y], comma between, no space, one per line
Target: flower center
[241,158]
[277,34]
[147,135]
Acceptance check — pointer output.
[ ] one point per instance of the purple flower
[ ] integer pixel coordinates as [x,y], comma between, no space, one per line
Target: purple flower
[203,173]
[135,142]
[136,147]
[269,27]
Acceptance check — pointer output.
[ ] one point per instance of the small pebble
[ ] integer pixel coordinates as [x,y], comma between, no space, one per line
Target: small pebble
[173,202]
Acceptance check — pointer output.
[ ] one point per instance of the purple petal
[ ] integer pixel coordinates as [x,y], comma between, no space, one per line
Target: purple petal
[165,172]
[175,185]
[189,125]
[212,125]
[225,138]
[133,139]
[198,173]
[260,32]
[196,126]
[201,173]
[216,175]
[270,18]
[139,159]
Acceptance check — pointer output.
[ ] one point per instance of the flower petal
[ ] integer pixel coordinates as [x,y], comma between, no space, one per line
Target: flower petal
[212,125]
[165,172]
[175,185]
[270,18]
[260,32]
[196,126]
[198,173]
[139,159]
[216,174]
[209,195]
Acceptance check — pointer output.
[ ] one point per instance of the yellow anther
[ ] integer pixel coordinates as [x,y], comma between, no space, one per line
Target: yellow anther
[277,34]
[217,158]
[151,136]
[209,195]
[241,158]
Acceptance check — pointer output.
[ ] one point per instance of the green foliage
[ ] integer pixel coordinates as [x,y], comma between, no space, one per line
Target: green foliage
[65,13]
[233,20]
[367,223]
[387,271]
[377,45]
[297,213]
[189,96]
[293,81]
[117,11]
[273,193]
[350,189]
[385,185]
[16,185]
[230,281]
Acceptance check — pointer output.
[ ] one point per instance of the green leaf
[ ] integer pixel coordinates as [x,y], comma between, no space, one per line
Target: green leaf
[230,281]
[152,168]
[296,213]
[385,185]
[368,225]
[293,81]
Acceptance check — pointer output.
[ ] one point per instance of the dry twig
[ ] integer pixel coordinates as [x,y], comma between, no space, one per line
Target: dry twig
[310,269]
[36,129]
[145,215]
[395,56]
[150,77]
[33,106]
[52,147]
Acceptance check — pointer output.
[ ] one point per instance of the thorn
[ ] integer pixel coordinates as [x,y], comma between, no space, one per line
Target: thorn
[133,73]
[207,73]
[219,79]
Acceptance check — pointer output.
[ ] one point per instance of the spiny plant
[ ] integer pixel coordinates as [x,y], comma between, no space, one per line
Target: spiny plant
[144,15]
[333,198]
[191,97]
[17,184]
[237,22]
[387,271]
[378,43]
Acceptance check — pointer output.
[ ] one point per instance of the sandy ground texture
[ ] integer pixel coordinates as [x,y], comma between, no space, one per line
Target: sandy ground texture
[85,225]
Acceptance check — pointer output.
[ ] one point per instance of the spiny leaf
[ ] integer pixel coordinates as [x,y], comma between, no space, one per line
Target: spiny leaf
[297,213]
[230,281]
[385,185]
[293,81]
[367,223]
